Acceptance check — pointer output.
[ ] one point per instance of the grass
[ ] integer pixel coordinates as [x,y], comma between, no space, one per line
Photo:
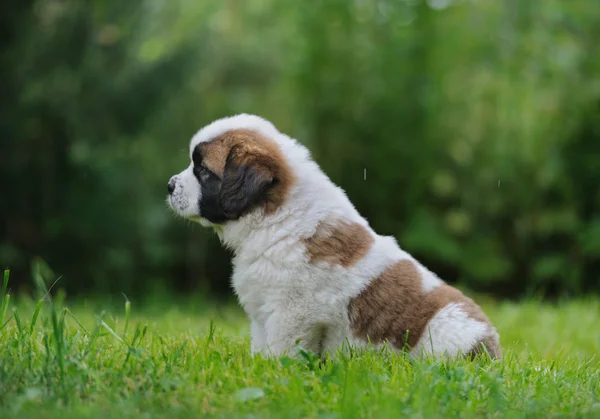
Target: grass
[185,360]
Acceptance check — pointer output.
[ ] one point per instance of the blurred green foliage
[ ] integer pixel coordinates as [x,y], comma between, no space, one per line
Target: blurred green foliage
[477,122]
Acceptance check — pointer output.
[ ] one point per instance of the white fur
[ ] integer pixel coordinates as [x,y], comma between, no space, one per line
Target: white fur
[186,195]
[450,332]
[430,280]
[286,297]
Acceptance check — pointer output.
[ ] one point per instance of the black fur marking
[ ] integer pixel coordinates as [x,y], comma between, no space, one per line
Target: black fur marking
[241,188]
[197,156]
[209,204]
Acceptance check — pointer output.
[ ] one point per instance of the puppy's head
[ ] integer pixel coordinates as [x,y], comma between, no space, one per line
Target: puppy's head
[236,167]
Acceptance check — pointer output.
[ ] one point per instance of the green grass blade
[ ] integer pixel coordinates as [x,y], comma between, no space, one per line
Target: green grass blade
[58,332]
[77,321]
[112,332]
[5,295]
[94,335]
[35,316]
[5,302]
[6,322]
[127,313]
[18,321]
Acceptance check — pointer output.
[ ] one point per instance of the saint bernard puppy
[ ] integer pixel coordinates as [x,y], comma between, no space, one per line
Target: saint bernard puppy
[307,266]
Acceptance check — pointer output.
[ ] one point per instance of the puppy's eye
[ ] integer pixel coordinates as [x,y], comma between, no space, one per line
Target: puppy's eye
[201,171]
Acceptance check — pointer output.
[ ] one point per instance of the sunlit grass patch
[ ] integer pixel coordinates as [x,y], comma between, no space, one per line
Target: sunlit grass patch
[61,361]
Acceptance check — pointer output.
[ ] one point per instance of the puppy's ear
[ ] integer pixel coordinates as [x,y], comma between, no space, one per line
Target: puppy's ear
[245,182]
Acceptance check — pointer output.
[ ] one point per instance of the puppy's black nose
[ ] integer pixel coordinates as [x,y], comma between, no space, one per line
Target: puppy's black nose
[171,186]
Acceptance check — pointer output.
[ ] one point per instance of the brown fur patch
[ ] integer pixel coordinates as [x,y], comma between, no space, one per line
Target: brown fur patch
[250,148]
[338,242]
[394,306]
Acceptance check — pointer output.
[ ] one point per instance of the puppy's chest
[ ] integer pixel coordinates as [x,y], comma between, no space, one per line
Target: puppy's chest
[255,285]
[261,286]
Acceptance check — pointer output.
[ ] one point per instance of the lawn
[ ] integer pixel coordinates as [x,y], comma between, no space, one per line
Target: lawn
[192,359]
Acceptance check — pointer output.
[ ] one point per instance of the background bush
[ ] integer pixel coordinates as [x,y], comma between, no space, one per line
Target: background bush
[477,121]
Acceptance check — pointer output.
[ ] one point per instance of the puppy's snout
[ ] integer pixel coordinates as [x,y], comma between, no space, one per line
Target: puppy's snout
[171,185]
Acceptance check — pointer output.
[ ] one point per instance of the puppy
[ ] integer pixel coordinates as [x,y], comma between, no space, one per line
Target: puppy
[307,266]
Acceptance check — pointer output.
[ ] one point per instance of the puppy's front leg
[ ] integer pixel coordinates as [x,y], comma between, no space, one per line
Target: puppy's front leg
[258,336]
[284,330]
